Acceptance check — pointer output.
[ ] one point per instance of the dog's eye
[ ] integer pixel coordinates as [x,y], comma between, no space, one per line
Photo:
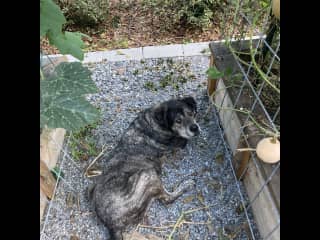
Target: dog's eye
[190,114]
[178,120]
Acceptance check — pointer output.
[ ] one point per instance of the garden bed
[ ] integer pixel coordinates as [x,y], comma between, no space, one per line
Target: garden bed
[266,206]
[127,87]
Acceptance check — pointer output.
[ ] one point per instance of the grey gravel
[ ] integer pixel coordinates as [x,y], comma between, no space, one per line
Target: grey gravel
[123,93]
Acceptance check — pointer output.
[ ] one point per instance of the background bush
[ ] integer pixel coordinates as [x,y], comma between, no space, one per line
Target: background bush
[83,13]
[184,13]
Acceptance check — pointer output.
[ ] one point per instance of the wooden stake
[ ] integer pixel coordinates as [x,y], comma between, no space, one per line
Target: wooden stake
[47,181]
[212,83]
[244,160]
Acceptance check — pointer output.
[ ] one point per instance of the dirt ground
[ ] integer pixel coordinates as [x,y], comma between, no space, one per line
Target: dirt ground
[135,27]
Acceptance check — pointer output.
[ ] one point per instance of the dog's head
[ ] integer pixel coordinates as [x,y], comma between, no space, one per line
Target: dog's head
[178,116]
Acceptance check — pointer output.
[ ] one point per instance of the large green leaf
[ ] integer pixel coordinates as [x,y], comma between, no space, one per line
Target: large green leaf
[68,43]
[71,78]
[63,104]
[51,18]
[69,113]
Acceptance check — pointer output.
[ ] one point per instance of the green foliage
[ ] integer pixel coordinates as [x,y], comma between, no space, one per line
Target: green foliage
[51,18]
[184,13]
[62,103]
[115,21]
[214,73]
[176,74]
[228,71]
[68,43]
[62,94]
[82,144]
[84,13]
[51,22]
[57,173]
[135,72]
[150,86]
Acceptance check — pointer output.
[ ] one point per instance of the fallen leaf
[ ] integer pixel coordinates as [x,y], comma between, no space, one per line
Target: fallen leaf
[231,231]
[74,237]
[138,236]
[219,158]
[120,53]
[120,70]
[70,200]
[239,209]
[215,184]
[200,198]
[205,51]
[188,199]
[93,172]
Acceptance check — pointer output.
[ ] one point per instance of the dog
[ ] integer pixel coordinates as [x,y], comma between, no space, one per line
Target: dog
[131,180]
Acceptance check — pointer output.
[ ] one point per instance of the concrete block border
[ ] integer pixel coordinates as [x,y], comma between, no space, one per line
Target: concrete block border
[164,51]
[172,50]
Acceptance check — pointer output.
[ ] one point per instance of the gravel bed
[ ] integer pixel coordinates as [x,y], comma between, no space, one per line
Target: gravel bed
[126,88]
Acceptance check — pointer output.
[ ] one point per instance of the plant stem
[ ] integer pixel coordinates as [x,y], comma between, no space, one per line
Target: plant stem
[94,160]
[264,130]
[245,149]
[181,220]
[252,54]
[261,73]
[273,140]
[156,227]
[176,225]
[41,75]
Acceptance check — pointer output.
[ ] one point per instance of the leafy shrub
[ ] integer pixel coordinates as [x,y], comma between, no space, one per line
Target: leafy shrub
[84,12]
[184,13]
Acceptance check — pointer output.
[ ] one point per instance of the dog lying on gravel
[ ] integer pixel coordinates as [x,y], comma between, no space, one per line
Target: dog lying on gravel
[123,193]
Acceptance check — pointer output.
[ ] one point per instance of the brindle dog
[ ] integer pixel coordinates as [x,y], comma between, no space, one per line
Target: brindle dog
[132,180]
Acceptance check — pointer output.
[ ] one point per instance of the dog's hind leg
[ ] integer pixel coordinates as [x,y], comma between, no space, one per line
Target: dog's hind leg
[167,197]
[115,235]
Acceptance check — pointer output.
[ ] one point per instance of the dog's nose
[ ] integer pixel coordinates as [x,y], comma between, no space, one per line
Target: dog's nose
[194,128]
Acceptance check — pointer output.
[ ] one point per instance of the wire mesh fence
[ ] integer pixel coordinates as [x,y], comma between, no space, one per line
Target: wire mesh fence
[225,199]
[254,90]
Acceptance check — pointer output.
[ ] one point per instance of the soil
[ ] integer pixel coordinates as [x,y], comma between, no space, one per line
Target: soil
[136,27]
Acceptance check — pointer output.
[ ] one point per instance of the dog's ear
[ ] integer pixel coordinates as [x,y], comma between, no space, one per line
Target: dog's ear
[160,114]
[190,102]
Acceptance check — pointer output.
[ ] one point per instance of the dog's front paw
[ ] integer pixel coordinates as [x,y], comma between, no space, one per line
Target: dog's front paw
[183,143]
[179,142]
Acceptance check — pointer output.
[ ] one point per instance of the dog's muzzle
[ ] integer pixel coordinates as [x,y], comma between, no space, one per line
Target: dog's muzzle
[194,128]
